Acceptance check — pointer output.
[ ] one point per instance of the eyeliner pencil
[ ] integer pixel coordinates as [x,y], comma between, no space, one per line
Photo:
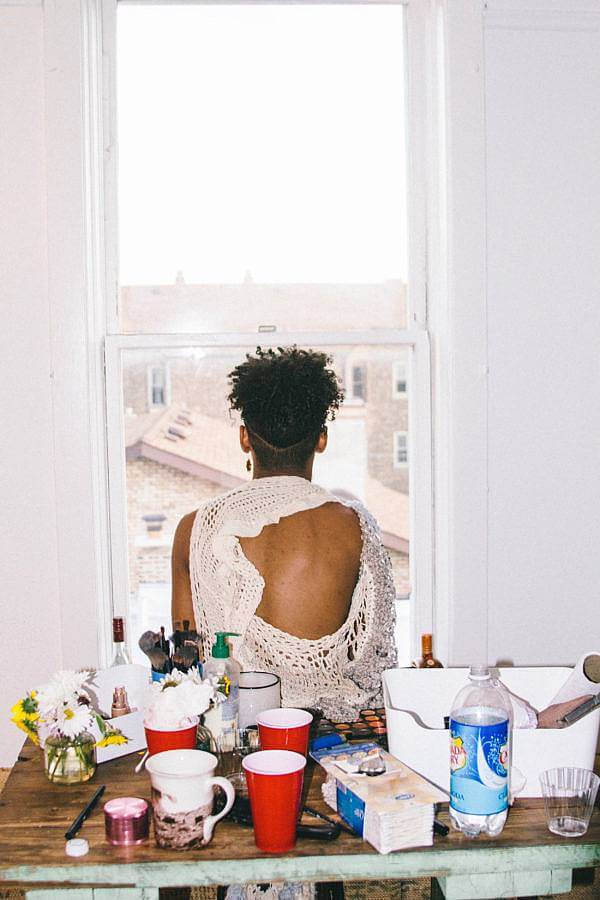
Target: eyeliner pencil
[78,822]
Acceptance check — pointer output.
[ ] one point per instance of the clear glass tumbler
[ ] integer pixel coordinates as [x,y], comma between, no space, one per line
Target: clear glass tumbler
[258,691]
[232,748]
[569,797]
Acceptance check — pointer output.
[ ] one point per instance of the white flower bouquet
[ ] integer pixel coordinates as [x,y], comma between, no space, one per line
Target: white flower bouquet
[178,700]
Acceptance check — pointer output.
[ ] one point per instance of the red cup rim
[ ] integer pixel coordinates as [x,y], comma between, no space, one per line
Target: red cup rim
[304,718]
[194,720]
[274,762]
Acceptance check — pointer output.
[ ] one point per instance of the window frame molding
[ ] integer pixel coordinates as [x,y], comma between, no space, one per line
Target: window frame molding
[109,459]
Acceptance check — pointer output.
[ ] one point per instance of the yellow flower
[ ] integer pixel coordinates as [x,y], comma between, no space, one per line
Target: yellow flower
[27,724]
[18,713]
[112,738]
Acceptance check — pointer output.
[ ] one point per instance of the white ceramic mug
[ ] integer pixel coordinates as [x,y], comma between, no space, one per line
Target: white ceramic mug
[183,784]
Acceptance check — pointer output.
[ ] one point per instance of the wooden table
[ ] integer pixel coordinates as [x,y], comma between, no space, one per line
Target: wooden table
[524,860]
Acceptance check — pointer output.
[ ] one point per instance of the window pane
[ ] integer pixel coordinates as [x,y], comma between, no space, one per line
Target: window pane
[261,167]
[181,455]
[400,449]
[399,381]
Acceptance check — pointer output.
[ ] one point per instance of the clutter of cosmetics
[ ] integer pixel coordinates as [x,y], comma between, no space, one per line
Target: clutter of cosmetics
[369,726]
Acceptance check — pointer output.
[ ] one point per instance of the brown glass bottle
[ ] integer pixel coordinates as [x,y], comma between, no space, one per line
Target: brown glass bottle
[427,659]
[121,656]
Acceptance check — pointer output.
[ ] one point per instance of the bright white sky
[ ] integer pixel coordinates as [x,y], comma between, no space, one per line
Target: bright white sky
[261,138]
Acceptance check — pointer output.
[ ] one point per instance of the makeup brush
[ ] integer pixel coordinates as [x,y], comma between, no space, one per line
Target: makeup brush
[148,641]
[158,658]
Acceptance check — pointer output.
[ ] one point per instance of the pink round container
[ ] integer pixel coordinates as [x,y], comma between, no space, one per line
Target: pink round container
[126,821]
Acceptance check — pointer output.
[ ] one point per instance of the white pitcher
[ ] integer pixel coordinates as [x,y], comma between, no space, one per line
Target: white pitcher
[183,796]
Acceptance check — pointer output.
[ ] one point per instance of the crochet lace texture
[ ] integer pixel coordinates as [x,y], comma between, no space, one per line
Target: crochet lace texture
[339,673]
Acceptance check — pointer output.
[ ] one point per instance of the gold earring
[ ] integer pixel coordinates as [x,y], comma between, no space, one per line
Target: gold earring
[248,465]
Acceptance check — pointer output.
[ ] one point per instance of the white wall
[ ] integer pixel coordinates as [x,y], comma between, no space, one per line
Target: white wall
[522,329]
[29,608]
[542,90]
[50,581]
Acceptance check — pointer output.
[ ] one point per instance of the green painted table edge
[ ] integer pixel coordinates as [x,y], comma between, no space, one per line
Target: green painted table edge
[408,864]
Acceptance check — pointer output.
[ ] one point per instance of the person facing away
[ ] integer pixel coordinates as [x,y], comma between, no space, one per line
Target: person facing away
[301,575]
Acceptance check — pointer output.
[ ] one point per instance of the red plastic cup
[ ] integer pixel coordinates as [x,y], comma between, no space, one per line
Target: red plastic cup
[274,779]
[159,739]
[284,729]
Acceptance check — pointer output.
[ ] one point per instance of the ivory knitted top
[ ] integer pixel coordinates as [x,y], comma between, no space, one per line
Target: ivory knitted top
[339,673]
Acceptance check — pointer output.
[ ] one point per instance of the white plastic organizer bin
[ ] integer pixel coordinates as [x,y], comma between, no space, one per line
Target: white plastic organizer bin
[416,701]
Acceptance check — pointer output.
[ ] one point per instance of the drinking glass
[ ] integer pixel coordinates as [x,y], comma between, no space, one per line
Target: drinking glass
[569,797]
[232,747]
[258,691]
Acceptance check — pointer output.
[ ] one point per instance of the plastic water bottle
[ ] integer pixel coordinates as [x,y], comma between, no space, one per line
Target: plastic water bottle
[479,755]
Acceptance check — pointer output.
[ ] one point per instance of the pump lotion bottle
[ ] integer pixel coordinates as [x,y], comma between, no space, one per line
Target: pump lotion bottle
[222,718]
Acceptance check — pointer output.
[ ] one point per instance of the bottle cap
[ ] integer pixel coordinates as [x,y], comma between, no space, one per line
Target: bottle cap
[118,630]
[220,649]
[77,847]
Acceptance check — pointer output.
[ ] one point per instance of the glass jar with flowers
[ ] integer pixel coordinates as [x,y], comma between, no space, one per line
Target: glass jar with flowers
[58,717]
[70,760]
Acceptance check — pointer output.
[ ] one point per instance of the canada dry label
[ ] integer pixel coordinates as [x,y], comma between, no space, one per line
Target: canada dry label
[479,767]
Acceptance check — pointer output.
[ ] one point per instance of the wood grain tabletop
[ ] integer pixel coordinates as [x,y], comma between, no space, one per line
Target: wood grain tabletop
[34,815]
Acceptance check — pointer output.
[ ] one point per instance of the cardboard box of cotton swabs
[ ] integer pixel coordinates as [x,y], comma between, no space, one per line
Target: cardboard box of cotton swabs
[393,810]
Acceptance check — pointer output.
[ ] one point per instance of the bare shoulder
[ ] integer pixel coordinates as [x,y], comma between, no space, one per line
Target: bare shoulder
[340,511]
[342,518]
[183,534]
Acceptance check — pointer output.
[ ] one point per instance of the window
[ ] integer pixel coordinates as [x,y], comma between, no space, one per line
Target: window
[243,202]
[158,386]
[249,214]
[400,449]
[399,380]
[359,383]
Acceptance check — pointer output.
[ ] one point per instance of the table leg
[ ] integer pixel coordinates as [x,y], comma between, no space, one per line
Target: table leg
[506,884]
[148,893]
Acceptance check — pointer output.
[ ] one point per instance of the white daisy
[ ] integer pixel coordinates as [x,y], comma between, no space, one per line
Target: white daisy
[73,719]
[63,687]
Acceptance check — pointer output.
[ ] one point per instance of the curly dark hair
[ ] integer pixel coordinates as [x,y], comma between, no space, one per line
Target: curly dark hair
[285,397]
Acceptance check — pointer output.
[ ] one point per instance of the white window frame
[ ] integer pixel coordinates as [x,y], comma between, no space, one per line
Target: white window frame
[396,394]
[99,43]
[399,464]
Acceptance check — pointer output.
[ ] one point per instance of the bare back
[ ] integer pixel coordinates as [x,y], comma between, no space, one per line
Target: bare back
[310,564]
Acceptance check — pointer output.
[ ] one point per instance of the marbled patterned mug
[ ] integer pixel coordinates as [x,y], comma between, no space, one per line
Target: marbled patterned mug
[183,783]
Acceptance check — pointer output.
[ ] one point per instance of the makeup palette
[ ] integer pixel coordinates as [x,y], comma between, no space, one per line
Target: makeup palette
[369,726]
